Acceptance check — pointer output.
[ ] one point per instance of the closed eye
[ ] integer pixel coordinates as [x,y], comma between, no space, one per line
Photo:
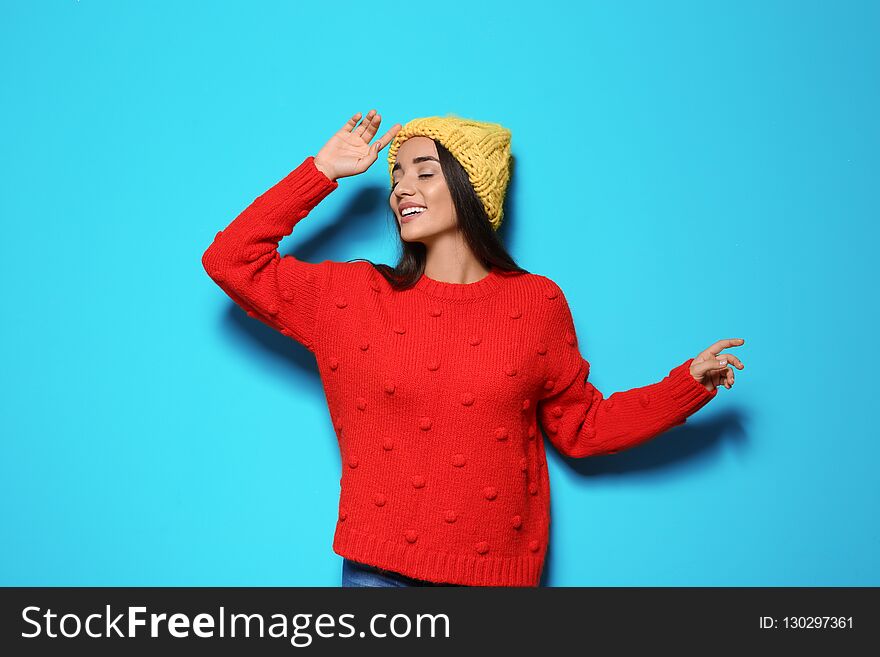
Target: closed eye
[423,175]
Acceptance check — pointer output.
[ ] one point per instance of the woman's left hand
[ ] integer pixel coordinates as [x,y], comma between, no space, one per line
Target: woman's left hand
[710,367]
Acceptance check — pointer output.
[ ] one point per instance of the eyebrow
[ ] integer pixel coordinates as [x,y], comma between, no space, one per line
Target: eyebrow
[416,160]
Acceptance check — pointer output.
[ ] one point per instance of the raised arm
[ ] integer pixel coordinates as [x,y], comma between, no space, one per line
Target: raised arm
[243,260]
[285,292]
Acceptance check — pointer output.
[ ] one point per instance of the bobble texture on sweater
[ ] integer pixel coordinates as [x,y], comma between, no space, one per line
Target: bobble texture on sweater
[436,393]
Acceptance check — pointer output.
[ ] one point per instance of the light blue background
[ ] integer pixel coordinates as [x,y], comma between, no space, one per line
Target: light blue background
[686,173]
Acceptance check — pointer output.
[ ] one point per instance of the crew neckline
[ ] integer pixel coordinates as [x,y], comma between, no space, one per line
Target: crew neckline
[460,291]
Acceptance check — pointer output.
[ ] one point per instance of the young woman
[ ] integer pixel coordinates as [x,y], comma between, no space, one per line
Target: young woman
[439,371]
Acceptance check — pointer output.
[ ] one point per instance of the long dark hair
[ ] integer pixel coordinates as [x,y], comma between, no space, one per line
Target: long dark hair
[473,222]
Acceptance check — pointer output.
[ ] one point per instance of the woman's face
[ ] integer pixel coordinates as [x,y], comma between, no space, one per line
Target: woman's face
[420,183]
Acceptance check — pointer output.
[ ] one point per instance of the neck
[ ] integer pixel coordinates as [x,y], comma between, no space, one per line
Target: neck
[451,261]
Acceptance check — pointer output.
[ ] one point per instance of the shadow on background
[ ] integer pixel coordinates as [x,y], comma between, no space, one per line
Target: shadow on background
[689,442]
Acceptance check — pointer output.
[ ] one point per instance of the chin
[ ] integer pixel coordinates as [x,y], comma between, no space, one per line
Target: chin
[412,233]
[411,238]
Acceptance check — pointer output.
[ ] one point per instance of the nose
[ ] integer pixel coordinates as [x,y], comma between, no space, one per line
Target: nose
[403,186]
[401,190]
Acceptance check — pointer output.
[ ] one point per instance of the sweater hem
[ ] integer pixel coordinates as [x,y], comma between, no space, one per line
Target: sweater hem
[436,566]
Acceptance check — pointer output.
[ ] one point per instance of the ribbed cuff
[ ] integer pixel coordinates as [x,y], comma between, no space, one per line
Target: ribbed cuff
[273,214]
[686,394]
[305,186]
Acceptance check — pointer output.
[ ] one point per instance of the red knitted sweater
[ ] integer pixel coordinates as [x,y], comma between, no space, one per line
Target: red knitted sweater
[436,393]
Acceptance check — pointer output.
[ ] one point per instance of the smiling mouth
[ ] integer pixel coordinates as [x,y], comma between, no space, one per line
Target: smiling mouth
[409,217]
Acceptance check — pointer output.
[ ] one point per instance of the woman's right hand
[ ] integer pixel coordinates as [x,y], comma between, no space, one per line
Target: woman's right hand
[349,151]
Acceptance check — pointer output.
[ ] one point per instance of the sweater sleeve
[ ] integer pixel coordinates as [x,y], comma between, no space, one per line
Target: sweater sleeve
[580,421]
[282,292]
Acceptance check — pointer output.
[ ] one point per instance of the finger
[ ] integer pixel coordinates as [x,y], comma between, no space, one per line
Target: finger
[368,119]
[385,139]
[732,359]
[711,365]
[351,123]
[373,127]
[726,376]
[723,344]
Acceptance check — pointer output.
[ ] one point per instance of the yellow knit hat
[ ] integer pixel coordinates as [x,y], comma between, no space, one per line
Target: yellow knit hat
[483,149]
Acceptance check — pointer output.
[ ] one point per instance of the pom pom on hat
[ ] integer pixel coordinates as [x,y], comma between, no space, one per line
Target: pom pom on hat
[482,148]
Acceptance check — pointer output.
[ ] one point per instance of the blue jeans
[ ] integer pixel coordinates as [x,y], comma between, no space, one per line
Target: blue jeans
[355,573]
